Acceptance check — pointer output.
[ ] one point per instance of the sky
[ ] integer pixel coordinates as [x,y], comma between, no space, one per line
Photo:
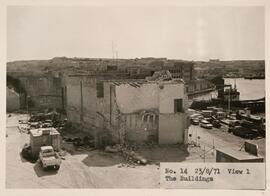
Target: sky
[188,33]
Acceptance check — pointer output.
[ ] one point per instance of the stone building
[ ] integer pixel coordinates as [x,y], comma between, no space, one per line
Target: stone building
[182,69]
[199,86]
[128,110]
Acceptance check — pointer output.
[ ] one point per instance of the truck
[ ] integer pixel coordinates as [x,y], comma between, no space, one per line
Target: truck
[49,158]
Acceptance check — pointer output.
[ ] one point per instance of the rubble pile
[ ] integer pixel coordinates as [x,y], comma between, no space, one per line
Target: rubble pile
[128,153]
[86,142]
[53,119]
[42,120]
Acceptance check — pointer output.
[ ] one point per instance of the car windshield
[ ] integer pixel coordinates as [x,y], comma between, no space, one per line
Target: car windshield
[47,152]
[204,122]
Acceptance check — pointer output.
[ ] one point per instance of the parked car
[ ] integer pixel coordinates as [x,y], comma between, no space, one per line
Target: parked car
[34,125]
[46,124]
[194,121]
[220,115]
[244,132]
[206,124]
[49,158]
[209,119]
[198,116]
[207,113]
[216,123]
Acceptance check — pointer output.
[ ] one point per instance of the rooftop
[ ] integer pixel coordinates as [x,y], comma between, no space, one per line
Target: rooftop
[239,155]
[42,131]
[138,83]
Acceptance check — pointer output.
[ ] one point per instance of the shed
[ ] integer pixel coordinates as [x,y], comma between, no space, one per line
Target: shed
[229,155]
[44,137]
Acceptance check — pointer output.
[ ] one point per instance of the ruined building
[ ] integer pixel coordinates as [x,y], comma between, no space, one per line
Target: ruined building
[40,90]
[124,110]
[44,81]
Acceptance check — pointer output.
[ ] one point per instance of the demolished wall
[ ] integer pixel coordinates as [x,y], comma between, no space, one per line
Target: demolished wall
[86,109]
[126,110]
[13,100]
[43,90]
[149,111]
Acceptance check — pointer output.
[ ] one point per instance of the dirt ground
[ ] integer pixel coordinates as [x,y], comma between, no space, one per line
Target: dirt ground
[98,169]
[94,169]
[82,169]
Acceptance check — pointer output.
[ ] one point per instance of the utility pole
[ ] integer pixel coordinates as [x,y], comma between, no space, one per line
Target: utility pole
[213,146]
[116,54]
[27,106]
[229,100]
[196,137]
[112,50]
[204,154]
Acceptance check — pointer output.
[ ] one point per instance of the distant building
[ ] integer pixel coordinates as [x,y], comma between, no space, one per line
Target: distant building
[128,110]
[214,60]
[201,72]
[183,70]
[199,86]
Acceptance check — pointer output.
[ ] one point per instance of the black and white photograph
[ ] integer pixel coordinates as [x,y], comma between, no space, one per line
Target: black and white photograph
[102,96]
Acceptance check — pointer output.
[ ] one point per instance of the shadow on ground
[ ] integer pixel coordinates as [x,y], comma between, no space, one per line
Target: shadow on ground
[154,155]
[23,159]
[95,157]
[164,153]
[99,158]
[40,172]
[28,159]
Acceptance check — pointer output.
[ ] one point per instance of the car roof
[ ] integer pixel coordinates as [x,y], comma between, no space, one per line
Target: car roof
[205,121]
[46,148]
[195,115]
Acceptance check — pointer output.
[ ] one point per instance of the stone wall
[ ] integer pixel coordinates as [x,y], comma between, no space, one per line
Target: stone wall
[126,111]
[172,128]
[43,91]
[141,127]
[13,100]
[172,123]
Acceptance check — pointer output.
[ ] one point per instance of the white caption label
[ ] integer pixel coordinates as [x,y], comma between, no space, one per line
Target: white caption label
[213,175]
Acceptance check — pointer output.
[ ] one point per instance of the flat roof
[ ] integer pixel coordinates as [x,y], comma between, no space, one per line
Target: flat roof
[139,82]
[207,111]
[39,132]
[239,155]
